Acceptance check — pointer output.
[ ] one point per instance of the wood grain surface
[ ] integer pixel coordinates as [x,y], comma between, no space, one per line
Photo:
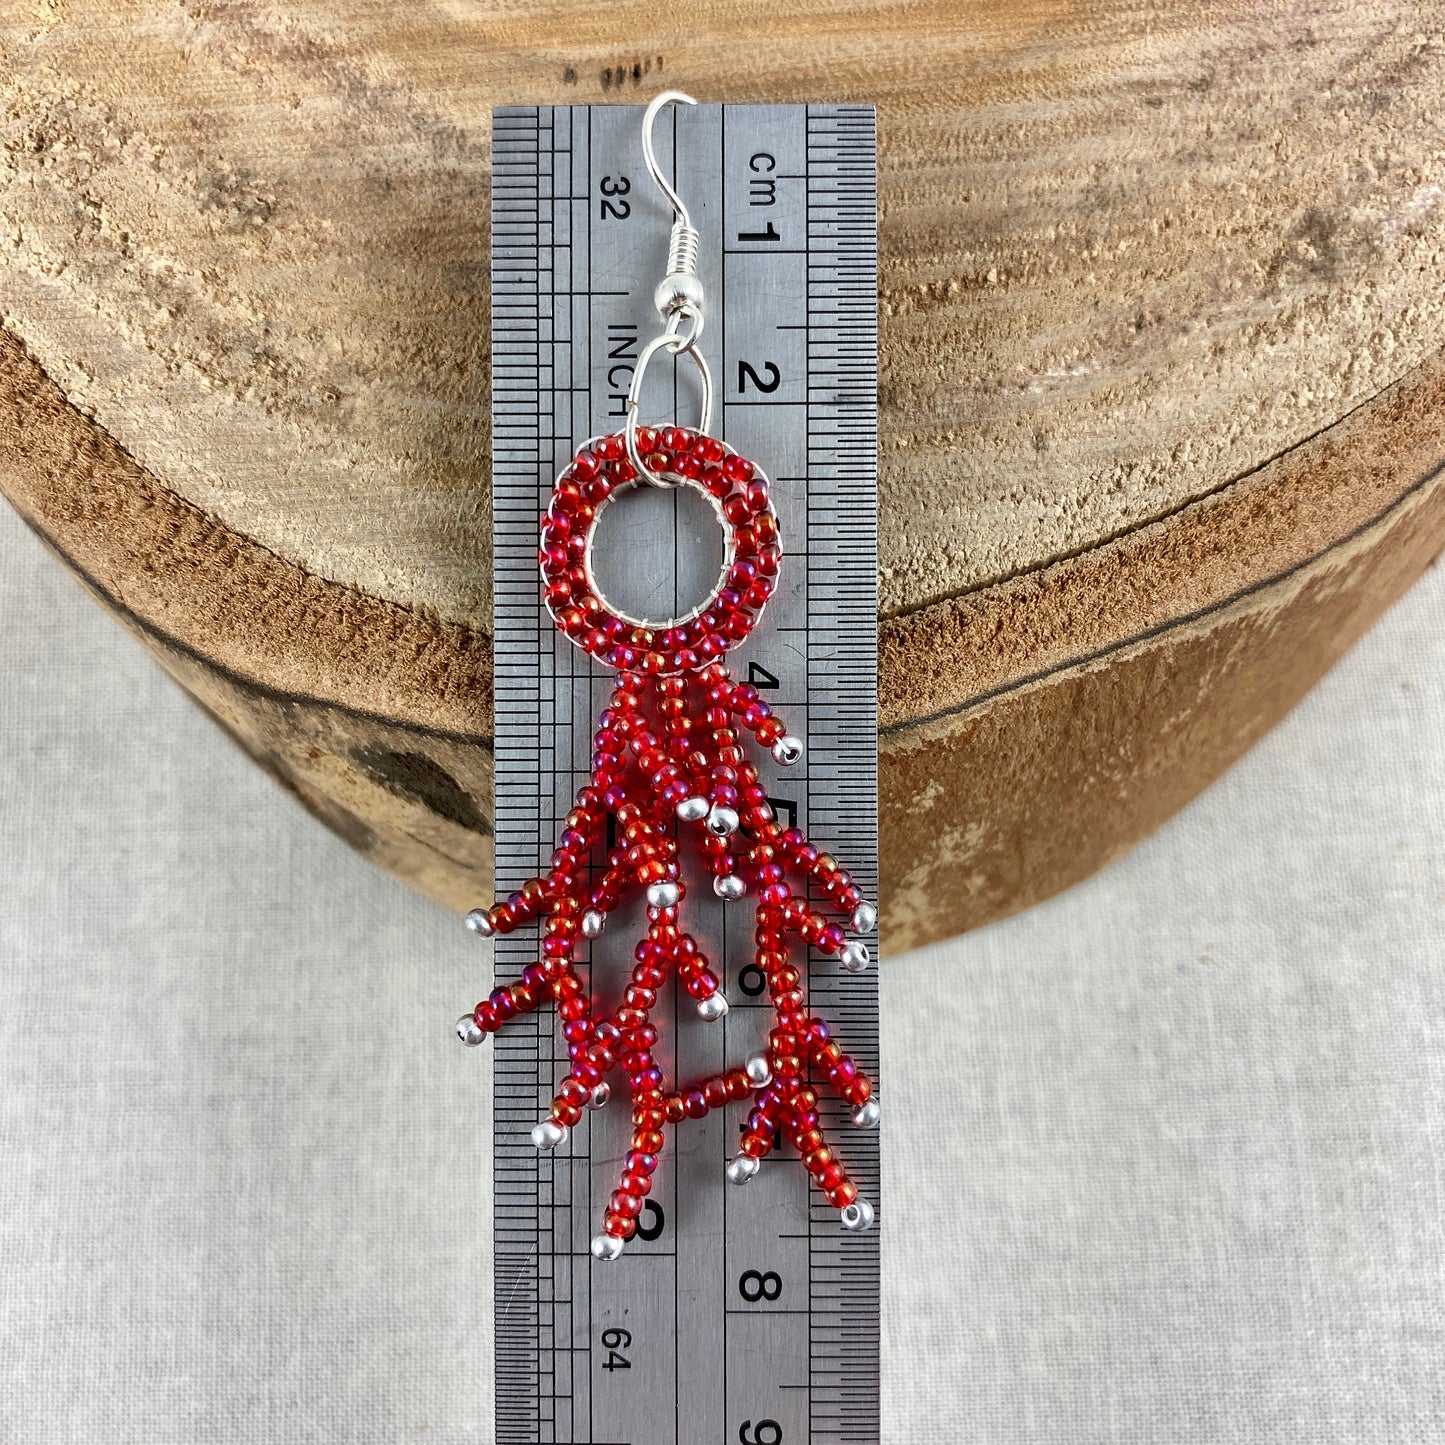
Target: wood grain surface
[1162,328]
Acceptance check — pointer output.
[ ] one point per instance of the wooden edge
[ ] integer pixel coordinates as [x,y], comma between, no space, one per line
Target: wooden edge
[1003,804]
[1054,721]
[193,586]
[1003,708]
[957,654]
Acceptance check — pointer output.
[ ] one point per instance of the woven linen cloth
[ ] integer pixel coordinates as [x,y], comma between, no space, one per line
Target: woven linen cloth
[1163,1157]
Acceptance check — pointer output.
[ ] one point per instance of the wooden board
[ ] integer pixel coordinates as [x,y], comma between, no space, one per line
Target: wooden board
[1162,334]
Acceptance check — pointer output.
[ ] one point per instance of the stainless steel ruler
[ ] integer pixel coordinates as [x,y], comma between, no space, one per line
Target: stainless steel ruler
[737,1314]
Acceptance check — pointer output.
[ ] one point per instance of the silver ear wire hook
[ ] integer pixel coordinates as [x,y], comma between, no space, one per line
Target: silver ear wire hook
[649,154]
[678,298]
[680,291]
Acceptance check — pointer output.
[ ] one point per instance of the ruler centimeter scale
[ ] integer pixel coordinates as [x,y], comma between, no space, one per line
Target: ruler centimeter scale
[736,1314]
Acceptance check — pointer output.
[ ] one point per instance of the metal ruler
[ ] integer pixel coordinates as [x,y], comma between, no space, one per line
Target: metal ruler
[744,1315]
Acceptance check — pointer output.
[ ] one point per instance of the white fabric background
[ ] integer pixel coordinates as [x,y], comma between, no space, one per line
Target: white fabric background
[1166,1157]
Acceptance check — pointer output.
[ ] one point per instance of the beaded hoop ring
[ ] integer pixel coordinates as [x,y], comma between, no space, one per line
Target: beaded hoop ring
[738,493]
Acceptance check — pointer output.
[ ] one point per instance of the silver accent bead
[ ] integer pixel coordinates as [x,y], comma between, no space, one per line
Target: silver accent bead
[593,923]
[469,1031]
[759,1071]
[854,957]
[603,1092]
[712,1008]
[479,921]
[677,291]
[858,1215]
[722,822]
[867,1115]
[663,895]
[865,918]
[549,1134]
[729,886]
[787,751]
[606,1247]
[692,810]
[742,1168]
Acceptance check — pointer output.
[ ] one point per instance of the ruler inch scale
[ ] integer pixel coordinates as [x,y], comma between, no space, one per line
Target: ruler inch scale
[669,1345]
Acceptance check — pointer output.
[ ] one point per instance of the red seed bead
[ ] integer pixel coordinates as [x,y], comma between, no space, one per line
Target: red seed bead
[637,1183]
[619,1226]
[629,1206]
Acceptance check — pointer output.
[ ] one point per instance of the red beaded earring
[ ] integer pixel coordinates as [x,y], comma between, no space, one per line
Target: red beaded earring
[671,770]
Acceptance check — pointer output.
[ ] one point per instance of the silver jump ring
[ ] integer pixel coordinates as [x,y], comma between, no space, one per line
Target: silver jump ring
[673,328]
[678,345]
